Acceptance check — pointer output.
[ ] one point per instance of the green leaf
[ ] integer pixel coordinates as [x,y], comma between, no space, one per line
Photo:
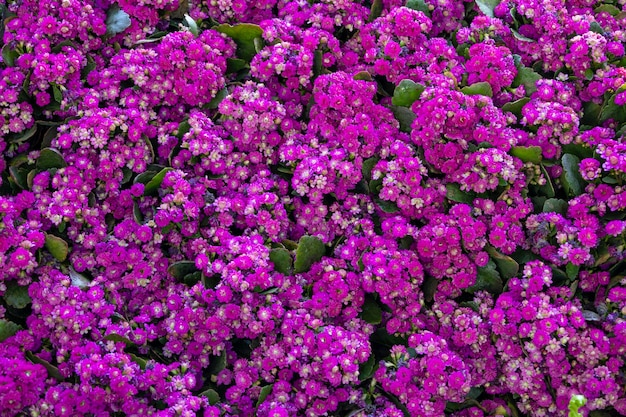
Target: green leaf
[57,247]
[368,166]
[555,205]
[571,270]
[429,287]
[91,65]
[404,116]
[17,295]
[507,266]
[244,35]
[114,337]
[217,364]
[8,55]
[454,193]
[7,329]
[56,92]
[211,395]
[589,74]
[528,78]
[595,27]
[371,311]
[521,37]
[191,24]
[487,279]
[50,158]
[419,5]
[366,369]
[527,153]
[611,110]
[487,6]
[406,93]
[516,106]
[363,76]
[387,206]
[265,391]
[215,101]
[281,258]
[548,188]
[19,175]
[139,361]
[478,89]
[234,65]
[376,10]
[53,371]
[570,178]
[23,136]
[310,250]
[609,8]
[179,269]
[153,185]
[117,20]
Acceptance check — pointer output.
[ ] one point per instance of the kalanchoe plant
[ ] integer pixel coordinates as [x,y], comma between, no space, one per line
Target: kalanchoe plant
[312,208]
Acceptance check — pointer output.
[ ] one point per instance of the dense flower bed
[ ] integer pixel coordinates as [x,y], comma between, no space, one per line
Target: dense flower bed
[313,208]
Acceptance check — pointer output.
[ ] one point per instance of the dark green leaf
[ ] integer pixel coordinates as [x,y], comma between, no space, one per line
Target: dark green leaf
[371,311]
[478,89]
[179,269]
[310,250]
[56,92]
[281,258]
[244,35]
[50,158]
[571,179]
[404,116]
[547,189]
[7,329]
[217,364]
[589,73]
[19,174]
[454,193]
[114,337]
[211,395]
[139,361]
[507,266]
[487,279]
[527,153]
[366,369]
[235,65]
[429,287]
[8,56]
[368,166]
[23,136]
[516,106]
[215,101]
[555,205]
[375,10]
[487,6]
[571,270]
[265,391]
[528,78]
[153,185]
[17,295]
[419,5]
[387,206]
[406,93]
[57,247]
[53,371]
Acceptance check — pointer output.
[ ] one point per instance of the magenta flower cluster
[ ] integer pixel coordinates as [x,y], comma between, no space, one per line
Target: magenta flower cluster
[312,208]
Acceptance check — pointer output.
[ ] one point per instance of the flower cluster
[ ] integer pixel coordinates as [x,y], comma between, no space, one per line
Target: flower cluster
[310,208]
